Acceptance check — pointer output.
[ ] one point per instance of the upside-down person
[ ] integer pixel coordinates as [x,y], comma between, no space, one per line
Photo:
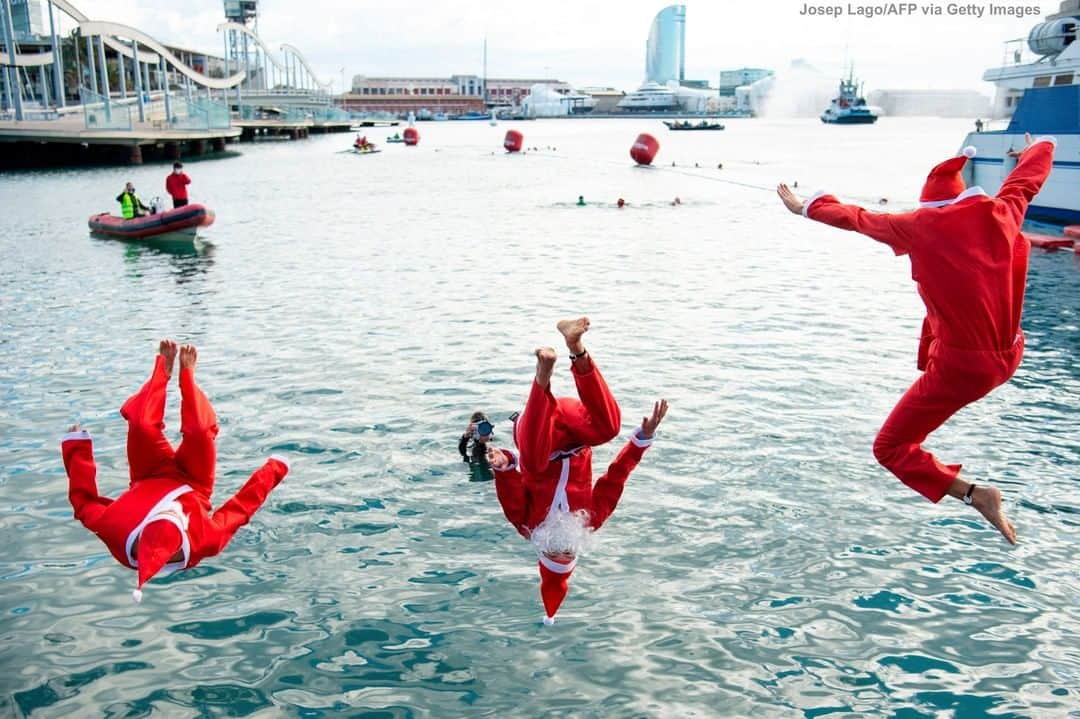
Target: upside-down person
[546,489]
[969,260]
[164,522]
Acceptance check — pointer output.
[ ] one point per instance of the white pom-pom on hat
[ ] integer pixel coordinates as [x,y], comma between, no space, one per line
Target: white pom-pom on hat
[548,621]
[969,151]
[137,596]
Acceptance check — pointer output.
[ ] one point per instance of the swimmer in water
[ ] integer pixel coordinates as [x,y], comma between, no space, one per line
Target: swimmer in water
[621,203]
[164,521]
[581,200]
[545,488]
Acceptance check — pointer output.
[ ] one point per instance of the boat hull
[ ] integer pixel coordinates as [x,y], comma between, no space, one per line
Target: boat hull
[849,120]
[172,224]
[1058,201]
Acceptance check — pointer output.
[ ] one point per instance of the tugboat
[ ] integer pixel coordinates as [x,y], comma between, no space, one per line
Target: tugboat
[849,106]
[1040,94]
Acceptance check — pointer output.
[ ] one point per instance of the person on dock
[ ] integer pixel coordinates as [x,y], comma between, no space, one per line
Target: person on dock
[130,204]
[546,489]
[176,185]
[970,262]
[164,522]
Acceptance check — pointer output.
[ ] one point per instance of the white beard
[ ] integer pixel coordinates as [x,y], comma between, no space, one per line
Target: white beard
[563,532]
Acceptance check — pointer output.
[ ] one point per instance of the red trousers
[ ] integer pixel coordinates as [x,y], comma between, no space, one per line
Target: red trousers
[149,453]
[549,425]
[953,379]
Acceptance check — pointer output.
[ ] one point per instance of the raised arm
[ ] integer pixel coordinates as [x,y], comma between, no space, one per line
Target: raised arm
[239,509]
[510,488]
[78,451]
[1027,178]
[609,488]
[895,230]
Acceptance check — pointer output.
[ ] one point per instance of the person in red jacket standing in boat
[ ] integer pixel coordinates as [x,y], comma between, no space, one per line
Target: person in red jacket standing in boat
[546,489]
[176,185]
[969,260]
[164,522]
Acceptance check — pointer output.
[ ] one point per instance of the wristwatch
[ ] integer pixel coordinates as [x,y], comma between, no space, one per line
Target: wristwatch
[579,355]
[967,497]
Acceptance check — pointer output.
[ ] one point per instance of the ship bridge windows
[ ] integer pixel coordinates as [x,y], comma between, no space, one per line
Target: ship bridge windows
[1066,79]
[1041,81]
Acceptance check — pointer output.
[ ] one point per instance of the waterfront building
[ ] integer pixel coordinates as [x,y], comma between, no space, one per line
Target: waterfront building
[452,95]
[665,51]
[27,20]
[731,79]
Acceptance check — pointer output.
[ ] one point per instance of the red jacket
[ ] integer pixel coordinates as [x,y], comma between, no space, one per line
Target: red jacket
[176,185]
[118,522]
[526,501]
[969,258]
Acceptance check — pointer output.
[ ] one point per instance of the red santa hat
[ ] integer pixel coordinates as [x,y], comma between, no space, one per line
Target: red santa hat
[554,584]
[158,542]
[945,184]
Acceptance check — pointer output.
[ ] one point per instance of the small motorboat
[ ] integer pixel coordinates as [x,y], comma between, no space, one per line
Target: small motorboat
[181,222]
[395,139]
[687,125]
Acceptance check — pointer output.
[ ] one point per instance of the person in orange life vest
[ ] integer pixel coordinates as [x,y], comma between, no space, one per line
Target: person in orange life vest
[164,522]
[176,185]
[969,260]
[545,489]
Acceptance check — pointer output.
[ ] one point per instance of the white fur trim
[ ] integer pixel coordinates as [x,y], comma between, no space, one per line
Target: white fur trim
[1044,138]
[557,567]
[72,436]
[137,596]
[153,515]
[548,621]
[969,151]
[813,198]
[281,458]
[640,441]
[969,192]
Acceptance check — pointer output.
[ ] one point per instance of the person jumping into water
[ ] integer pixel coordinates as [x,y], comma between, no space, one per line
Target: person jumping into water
[546,489]
[969,260]
[164,521]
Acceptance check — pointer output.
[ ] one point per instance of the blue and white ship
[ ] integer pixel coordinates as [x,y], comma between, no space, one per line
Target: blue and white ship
[849,106]
[1040,95]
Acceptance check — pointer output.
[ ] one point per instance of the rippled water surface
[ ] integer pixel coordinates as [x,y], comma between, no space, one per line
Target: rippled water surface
[352,311]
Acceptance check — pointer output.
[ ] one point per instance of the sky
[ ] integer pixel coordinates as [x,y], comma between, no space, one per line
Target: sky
[602,42]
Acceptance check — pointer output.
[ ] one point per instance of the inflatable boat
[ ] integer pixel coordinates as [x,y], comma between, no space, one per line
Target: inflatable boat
[183,221]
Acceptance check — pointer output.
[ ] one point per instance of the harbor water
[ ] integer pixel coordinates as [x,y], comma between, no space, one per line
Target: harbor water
[352,311]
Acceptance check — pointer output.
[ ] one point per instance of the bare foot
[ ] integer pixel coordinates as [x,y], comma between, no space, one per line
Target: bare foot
[572,330]
[167,349]
[545,365]
[988,501]
[74,427]
[188,356]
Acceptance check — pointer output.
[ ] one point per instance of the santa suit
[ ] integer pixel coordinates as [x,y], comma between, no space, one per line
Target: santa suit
[969,260]
[174,486]
[555,439]
[527,501]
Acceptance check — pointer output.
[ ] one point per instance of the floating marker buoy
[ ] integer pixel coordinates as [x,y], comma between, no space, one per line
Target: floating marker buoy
[644,149]
[411,136]
[513,141]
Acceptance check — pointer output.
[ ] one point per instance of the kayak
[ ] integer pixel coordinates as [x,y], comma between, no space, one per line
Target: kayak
[183,220]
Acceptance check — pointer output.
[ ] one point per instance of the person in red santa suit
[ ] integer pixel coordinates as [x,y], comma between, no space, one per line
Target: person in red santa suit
[164,522]
[969,260]
[545,488]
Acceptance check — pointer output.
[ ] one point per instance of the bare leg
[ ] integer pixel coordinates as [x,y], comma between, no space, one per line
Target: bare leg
[149,452]
[545,366]
[987,501]
[197,455]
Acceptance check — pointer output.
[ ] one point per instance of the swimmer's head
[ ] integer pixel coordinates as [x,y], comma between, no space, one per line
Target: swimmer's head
[621,202]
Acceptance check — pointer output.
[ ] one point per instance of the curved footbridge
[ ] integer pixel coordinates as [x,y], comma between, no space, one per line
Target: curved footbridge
[163,109]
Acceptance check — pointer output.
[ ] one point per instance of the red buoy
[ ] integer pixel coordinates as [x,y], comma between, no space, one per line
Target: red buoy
[411,136]
[644,149]
[513,141]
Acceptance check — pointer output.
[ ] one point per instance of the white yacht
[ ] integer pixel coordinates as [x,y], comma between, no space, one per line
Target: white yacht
[650,96]
[1039,94]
